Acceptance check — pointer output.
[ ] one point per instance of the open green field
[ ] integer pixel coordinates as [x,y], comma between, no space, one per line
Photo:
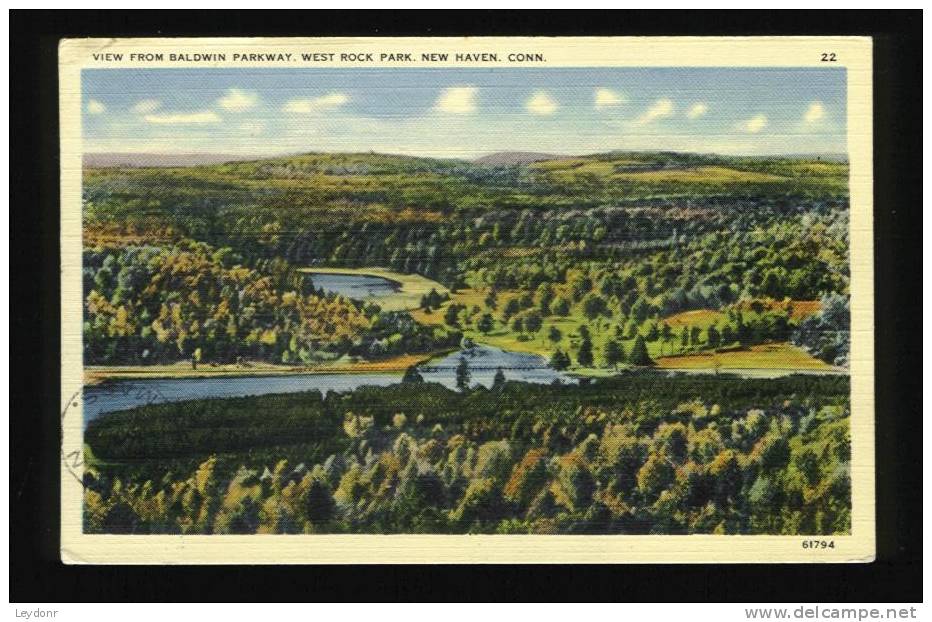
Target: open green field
[703,318]
[412,286]
[696,176]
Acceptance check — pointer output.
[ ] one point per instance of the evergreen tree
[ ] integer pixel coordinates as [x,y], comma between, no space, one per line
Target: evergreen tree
[639,355]
[320,505]
[499,379]
[653,333]
[412,375]
[585,353]
[434,299]
[544,298]
[511,308]
[486,324]
[614,354]
[593,306]
[533,322]
[559,361]
[727,335]
[713,337]
[462,374]
[451,315]
[666,335]
[694,333]
[640,310]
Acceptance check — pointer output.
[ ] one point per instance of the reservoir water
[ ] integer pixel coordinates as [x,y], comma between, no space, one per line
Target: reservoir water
[356,286]
[483,362]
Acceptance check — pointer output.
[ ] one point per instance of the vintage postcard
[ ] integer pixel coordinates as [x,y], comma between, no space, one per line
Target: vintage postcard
[424,300]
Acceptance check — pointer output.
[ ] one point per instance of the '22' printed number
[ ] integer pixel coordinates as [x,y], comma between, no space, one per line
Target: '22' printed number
[829,57]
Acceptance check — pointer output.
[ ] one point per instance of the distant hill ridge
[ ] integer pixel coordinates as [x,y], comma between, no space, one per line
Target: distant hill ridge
[502,158]
[508,158]
[159,160]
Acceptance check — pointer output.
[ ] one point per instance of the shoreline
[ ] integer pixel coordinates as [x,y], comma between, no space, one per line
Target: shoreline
[355,272]
[96,375]
[755,372]
[410,287]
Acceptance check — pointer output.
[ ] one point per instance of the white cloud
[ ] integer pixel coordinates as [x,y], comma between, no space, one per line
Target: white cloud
[606,98]
[145,106]
[324,102]
[457,100]
[331,100]
[753,125]
[298,106]
[237,100]
[541,103]
[815,113]
[207,116]
[697,110]
[658,110]
[95,107]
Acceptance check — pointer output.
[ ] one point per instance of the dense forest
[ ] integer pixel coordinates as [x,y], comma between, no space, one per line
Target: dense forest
[606,266]
[639,453]
[619,239]
[427,216]
[152,304]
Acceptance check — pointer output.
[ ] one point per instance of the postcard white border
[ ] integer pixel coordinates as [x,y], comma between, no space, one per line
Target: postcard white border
[852,53]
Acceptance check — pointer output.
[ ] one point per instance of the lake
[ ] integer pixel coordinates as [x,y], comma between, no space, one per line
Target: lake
[356,286]
[483,361]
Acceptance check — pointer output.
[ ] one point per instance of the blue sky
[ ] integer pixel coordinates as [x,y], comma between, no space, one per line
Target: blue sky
[464,112]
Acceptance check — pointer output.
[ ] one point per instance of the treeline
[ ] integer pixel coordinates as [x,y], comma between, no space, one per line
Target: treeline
[636,454]
[800,257]
[188,300]
[692,250]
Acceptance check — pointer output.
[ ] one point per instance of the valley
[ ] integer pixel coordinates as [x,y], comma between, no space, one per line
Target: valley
[620,342]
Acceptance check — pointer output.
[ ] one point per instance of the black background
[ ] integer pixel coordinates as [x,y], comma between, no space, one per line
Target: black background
[37,575]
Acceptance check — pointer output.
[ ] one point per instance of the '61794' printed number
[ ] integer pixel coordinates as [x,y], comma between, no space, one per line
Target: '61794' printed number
[818,544]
